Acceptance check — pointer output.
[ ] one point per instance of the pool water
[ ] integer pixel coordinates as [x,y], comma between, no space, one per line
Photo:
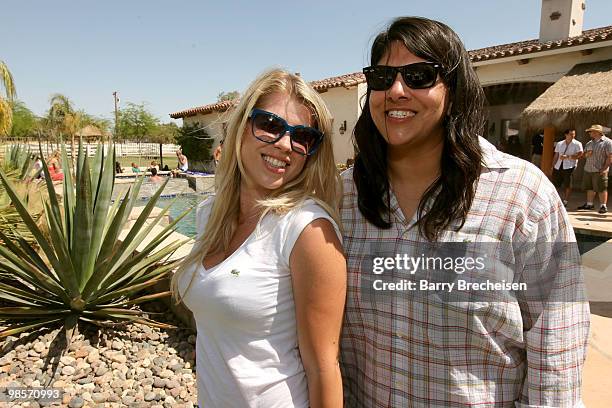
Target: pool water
[588,242]
[186,226]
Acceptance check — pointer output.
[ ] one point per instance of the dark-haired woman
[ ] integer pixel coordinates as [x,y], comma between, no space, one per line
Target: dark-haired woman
[423,177]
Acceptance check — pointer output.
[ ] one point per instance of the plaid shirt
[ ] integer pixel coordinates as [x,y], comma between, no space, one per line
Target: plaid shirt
[423,353]
[601,150]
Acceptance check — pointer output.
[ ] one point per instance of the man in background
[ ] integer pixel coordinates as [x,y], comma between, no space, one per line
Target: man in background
[598,154]
[565,160]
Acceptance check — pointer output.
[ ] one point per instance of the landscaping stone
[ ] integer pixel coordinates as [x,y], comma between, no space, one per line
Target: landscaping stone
[68,370]
[39,347]
[134,366]
[76,402]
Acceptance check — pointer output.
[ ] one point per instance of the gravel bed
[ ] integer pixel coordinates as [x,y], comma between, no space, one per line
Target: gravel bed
[133,366]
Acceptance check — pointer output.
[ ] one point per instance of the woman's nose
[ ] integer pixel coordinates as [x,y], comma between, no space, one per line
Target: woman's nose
[284,143]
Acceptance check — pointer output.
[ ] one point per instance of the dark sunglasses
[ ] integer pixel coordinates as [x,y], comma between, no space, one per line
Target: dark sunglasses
[420,75]
[270,128]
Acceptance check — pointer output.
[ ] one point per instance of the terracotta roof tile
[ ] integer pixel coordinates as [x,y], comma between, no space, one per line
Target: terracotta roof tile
[345,81]
[213,107]
[321,85]
[531,46]
[482,54]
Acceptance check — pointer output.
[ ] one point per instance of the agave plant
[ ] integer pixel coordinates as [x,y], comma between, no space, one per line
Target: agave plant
[17,165]
[83,271]
[17,161]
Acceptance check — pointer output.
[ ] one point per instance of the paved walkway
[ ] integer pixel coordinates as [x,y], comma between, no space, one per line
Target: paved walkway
[597,268]
[589,222]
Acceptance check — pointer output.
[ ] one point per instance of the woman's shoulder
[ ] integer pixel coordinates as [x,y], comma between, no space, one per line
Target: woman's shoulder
[311,208]
[295,221]
[304,213]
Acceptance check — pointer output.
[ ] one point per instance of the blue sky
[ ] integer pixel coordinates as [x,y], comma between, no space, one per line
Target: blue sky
[174,55]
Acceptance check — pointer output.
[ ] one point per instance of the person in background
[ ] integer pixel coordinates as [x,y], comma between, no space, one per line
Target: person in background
[154,165]
[537,148]
[55,169]
[266,278]
[565,159]
[217,152]
[182,164]
[135,168]
[424,178]
[598,154]
[118,168]
[514,146]
[37,171]
[154,177]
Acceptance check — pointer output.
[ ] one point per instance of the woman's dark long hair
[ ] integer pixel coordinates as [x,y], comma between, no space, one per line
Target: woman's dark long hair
[453,192]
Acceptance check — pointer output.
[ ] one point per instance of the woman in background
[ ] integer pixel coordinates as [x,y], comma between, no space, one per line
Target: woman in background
[55,169]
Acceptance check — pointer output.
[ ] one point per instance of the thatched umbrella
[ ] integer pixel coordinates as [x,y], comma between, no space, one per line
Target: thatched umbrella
[90,132]
[579,99]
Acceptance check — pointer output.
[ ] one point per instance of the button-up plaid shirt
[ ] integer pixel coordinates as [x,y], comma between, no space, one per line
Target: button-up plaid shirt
[420,352]
[601,148]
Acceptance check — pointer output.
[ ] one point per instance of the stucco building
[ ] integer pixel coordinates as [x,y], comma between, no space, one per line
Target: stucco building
[544,83]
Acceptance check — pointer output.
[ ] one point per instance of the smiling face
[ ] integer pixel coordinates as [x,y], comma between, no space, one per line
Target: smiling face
[595,135]
[270,166]
[408,117]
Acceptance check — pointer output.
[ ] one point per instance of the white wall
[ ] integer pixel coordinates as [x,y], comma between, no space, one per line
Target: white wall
[211,122]
[543,69]
[342,103]
[569,24]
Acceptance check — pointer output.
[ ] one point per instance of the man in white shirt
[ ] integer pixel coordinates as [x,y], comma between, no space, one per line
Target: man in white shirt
[565,160]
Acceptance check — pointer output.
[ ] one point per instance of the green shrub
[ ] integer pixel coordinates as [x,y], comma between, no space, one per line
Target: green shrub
[195,143]
[83,272]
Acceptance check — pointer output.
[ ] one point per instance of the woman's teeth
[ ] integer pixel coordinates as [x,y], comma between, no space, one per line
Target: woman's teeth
[275,162]
[400,114]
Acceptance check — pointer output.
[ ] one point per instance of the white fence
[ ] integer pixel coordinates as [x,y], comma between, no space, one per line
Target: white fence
[148,150]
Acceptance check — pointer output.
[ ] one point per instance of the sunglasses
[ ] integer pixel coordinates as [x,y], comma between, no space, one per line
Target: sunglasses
[420,75]
[270,128]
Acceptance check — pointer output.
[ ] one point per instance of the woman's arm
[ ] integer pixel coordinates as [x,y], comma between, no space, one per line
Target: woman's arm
[318,270]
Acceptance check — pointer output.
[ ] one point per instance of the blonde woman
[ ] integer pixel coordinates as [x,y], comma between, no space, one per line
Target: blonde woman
[55,168]
[266,279]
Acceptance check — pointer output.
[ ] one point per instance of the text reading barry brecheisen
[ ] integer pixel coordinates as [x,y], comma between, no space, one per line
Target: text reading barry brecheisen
[466,271]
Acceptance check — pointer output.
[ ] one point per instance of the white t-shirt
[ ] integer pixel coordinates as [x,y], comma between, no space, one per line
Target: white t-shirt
[247,347]
[184,166]
[573,148]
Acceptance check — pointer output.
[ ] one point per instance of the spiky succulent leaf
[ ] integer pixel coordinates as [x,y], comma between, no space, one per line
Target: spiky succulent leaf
[83,271]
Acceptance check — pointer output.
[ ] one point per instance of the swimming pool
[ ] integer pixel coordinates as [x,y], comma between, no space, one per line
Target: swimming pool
[178,189]
[186,226]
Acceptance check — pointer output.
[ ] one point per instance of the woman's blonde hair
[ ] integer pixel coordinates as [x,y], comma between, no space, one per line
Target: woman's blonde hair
[318,180]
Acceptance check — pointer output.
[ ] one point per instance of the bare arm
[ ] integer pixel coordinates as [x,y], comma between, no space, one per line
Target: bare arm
[606,166]
[318,269]
[554,160]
